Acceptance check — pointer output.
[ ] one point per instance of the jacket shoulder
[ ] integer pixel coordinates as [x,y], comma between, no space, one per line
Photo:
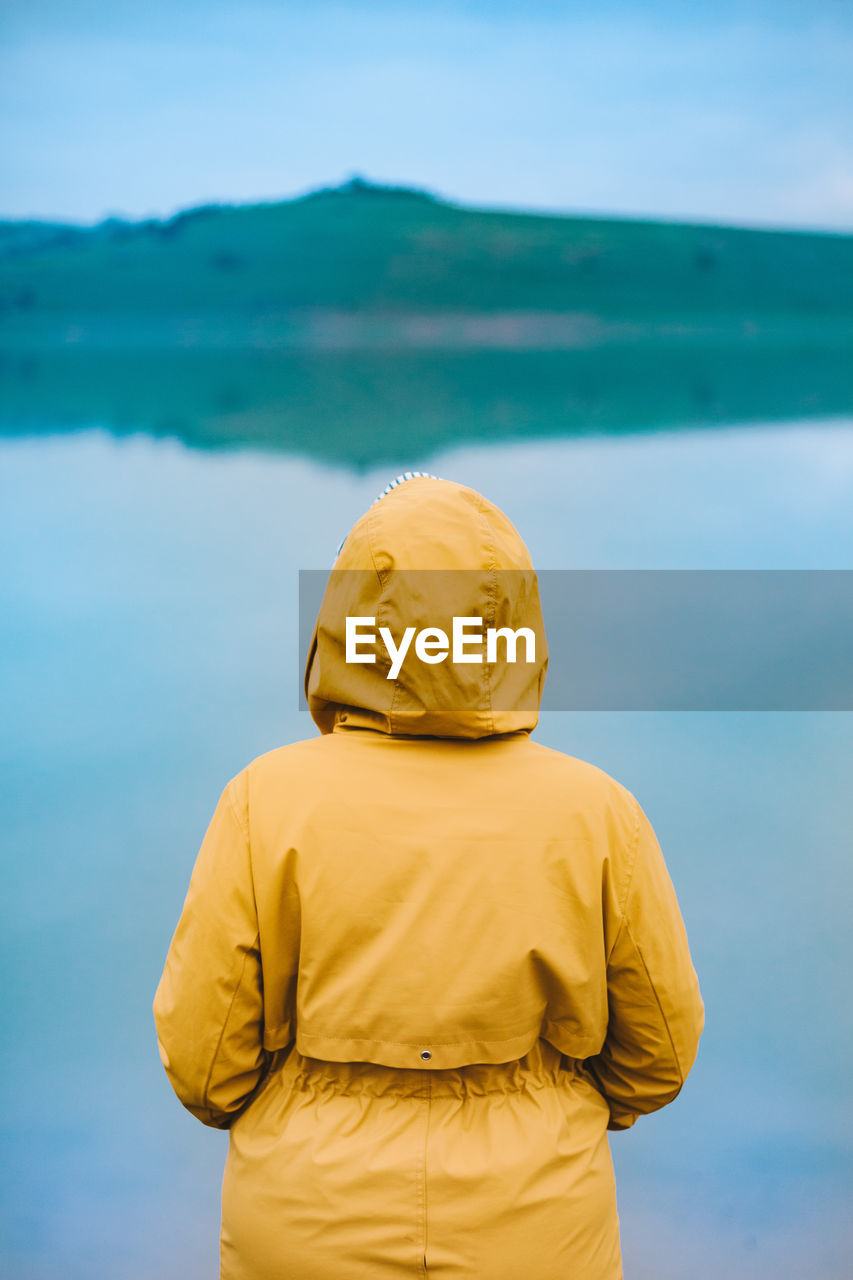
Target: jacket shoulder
[280,759]
[587,778]
[272,766]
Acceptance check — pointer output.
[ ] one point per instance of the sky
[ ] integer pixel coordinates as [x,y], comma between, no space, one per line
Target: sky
[720,112]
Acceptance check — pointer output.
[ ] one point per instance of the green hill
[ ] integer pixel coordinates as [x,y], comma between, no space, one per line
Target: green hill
[375,249]
[387,315]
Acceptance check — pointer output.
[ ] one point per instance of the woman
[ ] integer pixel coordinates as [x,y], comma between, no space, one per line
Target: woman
[425,963]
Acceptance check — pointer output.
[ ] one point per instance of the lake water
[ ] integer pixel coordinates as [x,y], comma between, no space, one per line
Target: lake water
[149,645]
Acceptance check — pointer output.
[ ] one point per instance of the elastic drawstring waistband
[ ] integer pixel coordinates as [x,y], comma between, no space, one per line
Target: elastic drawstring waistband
[542,1066]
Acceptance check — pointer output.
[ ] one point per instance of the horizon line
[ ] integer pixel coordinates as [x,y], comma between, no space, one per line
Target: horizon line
[359,183]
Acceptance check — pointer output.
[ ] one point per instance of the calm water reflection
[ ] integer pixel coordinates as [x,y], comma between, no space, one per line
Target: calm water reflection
[149,646]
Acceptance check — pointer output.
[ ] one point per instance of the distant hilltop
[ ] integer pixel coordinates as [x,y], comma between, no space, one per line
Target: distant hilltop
[24,235]
[364,323]
[370,265]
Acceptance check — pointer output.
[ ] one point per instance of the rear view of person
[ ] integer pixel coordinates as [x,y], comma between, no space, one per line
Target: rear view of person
[424,963]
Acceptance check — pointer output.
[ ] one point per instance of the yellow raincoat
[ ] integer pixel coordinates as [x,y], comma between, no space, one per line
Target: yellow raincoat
[424,963]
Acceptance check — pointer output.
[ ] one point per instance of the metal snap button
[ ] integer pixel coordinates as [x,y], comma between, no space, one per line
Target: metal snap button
[426,1055]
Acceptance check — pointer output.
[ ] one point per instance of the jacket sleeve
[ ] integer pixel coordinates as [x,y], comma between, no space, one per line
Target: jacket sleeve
[655,1010]
[208,1009]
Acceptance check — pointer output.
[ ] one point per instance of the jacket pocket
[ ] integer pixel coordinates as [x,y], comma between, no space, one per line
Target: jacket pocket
[588,1082]
[270,1077]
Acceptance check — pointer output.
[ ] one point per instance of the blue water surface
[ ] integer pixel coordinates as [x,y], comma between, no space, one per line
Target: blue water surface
[148,596]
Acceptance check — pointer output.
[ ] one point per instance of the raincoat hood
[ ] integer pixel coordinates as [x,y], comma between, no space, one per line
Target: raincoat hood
[428,551]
